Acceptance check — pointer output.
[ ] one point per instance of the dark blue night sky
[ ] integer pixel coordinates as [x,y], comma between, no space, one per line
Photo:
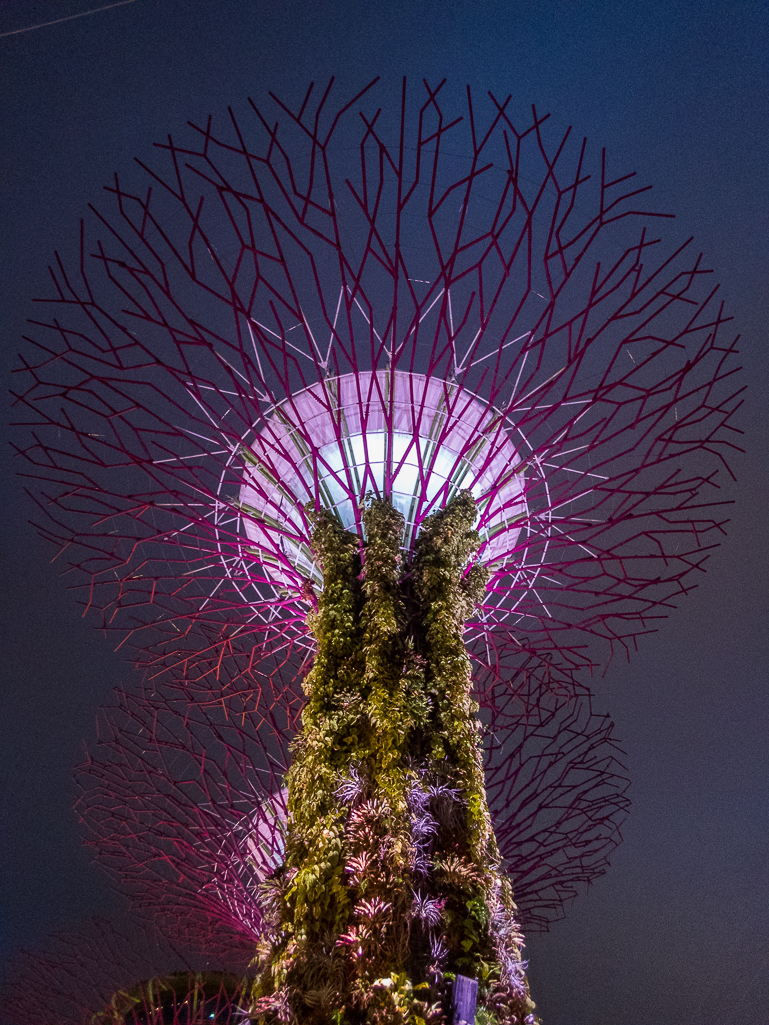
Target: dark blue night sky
[678,930]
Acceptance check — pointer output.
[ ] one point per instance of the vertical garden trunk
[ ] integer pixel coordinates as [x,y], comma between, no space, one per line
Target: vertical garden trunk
[391,887]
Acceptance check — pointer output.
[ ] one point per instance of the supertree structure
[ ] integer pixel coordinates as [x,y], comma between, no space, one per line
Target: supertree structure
[297,362]
[90,974]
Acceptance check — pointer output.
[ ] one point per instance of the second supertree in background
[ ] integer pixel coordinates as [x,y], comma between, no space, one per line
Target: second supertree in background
[274,328]
[123,973]
[185,805]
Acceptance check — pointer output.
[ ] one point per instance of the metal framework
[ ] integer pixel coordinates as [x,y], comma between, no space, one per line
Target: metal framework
[404,272]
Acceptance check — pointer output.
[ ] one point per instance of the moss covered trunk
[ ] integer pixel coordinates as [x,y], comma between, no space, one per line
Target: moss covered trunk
[390,885]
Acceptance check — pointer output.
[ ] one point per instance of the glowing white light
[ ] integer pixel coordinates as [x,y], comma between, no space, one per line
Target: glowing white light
[415,439]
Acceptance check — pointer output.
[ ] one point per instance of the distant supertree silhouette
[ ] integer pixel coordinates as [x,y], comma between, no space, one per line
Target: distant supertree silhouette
[113,972]
[296,361]
[184,803]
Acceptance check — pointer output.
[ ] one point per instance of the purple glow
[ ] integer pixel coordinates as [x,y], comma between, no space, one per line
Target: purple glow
[415,439]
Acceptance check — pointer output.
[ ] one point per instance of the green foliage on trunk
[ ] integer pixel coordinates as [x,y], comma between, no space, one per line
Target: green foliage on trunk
[390,884]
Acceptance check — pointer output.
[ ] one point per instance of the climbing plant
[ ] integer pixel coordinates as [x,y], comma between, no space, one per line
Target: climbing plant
[390,885]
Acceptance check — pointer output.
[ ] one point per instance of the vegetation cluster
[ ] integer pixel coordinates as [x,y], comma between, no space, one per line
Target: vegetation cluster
[391,884]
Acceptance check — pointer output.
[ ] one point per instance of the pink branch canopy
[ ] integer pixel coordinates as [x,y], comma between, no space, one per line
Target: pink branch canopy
[464,298]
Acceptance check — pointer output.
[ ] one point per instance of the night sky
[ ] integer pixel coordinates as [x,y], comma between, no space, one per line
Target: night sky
[678,930]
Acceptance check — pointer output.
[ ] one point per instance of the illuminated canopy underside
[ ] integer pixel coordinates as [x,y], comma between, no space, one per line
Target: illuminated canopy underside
[415,439]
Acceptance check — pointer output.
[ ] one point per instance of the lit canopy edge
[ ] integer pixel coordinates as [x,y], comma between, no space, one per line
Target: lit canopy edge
[413,439]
